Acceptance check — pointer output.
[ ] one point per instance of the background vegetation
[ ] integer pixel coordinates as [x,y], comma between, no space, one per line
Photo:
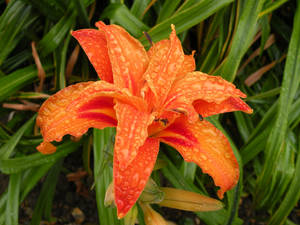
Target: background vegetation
[255,44]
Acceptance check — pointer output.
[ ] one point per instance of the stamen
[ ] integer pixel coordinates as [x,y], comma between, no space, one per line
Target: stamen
[148,38]
[179,111]
[164,121]
[200,117]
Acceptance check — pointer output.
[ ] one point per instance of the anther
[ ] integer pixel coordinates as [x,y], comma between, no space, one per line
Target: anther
[200,117]
[148,37]
[164,121]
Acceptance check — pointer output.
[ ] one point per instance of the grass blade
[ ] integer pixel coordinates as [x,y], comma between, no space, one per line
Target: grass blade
[44,202]
[186,18]
[18,164]
[17,80]
[103,174]
[289,87]
[167,10]
[246,29]
[12,204]
[291,198]
[7,149]
[56,35]
[122,15]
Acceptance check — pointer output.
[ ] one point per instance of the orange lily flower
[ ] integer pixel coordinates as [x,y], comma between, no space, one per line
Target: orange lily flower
[151,97]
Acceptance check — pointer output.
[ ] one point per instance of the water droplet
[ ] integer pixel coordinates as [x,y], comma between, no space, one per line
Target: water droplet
[148,170]
[203,157]
[135,179]
[227,155]
[120,203]
[142,183]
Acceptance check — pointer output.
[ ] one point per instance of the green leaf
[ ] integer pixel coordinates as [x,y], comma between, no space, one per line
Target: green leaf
[138,7]
[61,59]
[122,16]
[52,9]
[186,18]
[17,80]
[271,6]
[291,198]
[12,204]
[167,10]
[247,26]
[44,202]
[57,34]
[82,13]
[103,177]
[7,149]
[188,170]
[267,94]
[31,177]
[18,164]
[16,18]
[289,87]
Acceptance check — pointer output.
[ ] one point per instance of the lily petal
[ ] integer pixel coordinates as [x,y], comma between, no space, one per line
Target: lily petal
[231,104]
[206,146]
[188,65]
[131,132]
[130,183]
[94,44]
[102,88]
[211,89]
[59,115]
[165,63]
[127,55]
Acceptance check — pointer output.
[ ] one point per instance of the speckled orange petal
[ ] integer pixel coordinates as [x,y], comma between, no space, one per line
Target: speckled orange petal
[94,44]
[188,65]
[129,183]
[166,59]
[231,104]
[206,146]
[102,88]
[131,132]
[127,55]
[199,86]
[58,116]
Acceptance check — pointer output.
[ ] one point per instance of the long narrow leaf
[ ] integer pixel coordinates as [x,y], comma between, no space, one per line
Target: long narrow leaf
[291,198]
[12,204]
[289,87]
[18,164]
[185,19]
[17,80]
[103,175]
[242,38]
[7,149]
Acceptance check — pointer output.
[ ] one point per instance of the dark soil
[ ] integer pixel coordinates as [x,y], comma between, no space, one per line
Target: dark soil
[70,206]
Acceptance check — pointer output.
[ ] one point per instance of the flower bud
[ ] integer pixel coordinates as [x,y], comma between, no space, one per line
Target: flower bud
[189,201]
[109,199]
[151,193]
[152,217]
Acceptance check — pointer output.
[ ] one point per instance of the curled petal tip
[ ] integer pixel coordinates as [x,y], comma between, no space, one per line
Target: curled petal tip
[46,148]
[100,25]
[220,194]
[249,111]
[121,215]
[173,27]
